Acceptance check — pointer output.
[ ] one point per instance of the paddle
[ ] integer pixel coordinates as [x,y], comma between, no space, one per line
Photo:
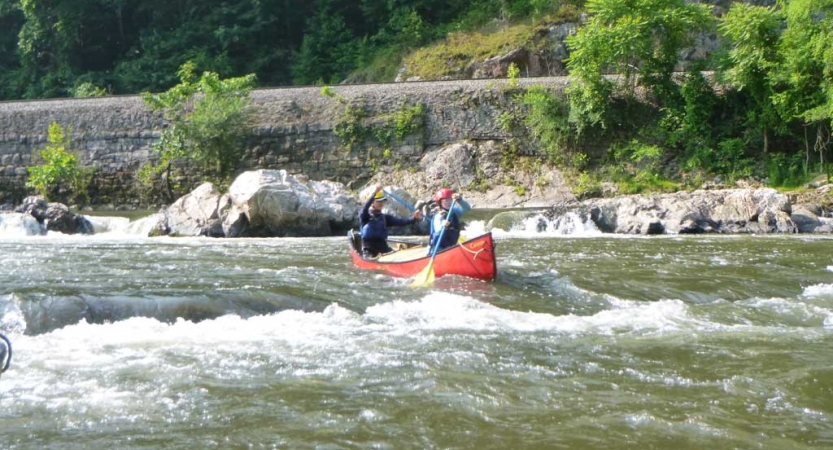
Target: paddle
[402,202]
[426,276]
[5,353]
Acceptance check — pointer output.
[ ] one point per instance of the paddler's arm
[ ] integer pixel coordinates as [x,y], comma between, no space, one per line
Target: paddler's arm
[396,221]
[364,214]
[461,206]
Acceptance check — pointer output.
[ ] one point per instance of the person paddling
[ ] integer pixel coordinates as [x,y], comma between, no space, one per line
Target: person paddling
[374,224]
[452,221]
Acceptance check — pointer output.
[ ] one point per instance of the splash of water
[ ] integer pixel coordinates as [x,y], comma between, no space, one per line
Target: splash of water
[570,224]
[17,225]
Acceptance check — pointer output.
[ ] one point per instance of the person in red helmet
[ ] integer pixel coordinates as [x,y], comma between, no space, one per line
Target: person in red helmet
[450,219]
[374,224]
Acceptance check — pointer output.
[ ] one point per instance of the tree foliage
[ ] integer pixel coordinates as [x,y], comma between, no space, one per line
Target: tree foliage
[628,38]
[546,118]
[803,76]
[208,119]
[50,47]
[775,74]
[60,175]
[752,34]
[126,46]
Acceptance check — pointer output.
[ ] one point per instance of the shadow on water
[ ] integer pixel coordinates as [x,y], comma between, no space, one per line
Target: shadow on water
[49,313]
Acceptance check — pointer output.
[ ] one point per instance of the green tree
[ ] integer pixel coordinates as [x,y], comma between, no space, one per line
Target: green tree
[546,120]
[688,126]
[87,90]
[61,40]
[752,34]
[234,37]
[60,175]
[11,20]
[804,77]
[209,119]
[628,38]
[45,45]
[330,49]
[49,47]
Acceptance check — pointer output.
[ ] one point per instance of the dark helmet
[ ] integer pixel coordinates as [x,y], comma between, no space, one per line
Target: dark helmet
[442,193]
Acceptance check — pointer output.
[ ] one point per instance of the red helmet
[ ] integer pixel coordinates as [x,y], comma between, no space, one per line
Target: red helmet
[442,193]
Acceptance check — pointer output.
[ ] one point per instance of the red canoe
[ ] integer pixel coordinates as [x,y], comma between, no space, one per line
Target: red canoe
[474,258]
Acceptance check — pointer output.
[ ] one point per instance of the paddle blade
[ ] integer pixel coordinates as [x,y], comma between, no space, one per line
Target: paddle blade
[426,277]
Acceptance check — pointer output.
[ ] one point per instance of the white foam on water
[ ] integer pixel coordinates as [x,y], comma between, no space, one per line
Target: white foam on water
[338,328]
[115,227]
[107,224]
[513,263]
[15,225]
[114,369]
[689,427]
[12,319]
[474,228]
[718,261]
[570,224]
[445,311]
[142,227]
[790,311]
[84,366]
[536,226]
[818,290]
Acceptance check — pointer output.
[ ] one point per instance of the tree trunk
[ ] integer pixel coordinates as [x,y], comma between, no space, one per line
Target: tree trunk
[766,140]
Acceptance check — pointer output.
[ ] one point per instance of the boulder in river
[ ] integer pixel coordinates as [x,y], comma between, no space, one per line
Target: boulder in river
[195,214]
[275,203]
[54,216]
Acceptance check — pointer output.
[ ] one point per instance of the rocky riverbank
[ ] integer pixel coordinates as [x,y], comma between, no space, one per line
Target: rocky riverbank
[761,210]
[719,209]
[271,203]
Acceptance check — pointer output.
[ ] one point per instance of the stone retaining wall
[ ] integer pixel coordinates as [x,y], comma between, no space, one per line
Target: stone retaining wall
[294,131]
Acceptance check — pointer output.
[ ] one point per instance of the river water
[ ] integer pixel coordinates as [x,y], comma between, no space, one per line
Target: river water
[584,341]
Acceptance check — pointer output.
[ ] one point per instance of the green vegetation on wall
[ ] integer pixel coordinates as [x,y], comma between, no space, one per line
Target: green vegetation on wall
[59,176]
[357,128]
[208,121]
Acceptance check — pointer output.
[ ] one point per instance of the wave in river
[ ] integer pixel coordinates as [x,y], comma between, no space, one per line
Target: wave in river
[442,311]
[688,342]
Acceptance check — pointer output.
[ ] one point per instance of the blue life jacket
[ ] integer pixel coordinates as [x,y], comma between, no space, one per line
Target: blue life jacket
[375,228]
[451,234]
